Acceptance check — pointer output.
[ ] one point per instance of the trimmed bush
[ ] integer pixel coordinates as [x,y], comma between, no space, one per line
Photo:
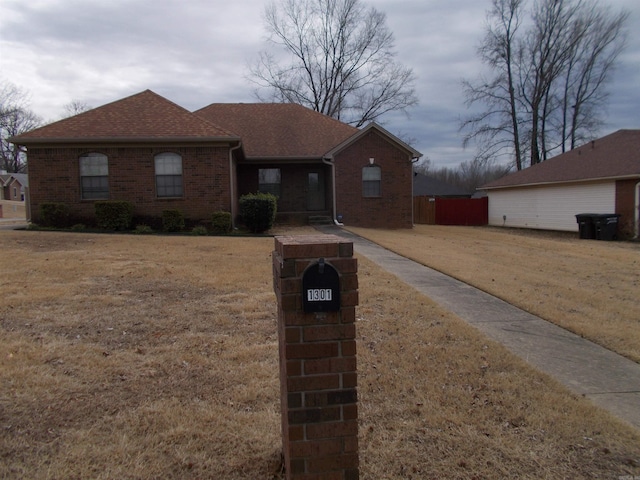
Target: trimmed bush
[54,214]
[258,211]
[221,222]
[172,221]
[199,230]
[143,230]
[114,214]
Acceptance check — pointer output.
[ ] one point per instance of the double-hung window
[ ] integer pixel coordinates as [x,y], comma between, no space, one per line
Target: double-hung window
[168,175]
[371,180]
[269,181]
[94,176]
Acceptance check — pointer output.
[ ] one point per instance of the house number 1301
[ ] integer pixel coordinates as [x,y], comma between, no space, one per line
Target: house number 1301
[319,295]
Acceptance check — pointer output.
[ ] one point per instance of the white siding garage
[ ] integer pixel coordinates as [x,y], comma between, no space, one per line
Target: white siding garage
[551,207]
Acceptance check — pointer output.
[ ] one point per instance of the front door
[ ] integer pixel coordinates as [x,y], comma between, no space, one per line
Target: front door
[315,191]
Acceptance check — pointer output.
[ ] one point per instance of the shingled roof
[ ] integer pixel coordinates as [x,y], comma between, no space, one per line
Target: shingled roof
[615,156]
[279,130]
[145,116]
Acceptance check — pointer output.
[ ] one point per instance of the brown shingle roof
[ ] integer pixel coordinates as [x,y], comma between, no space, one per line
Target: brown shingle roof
[279,130]
[615,156]
[145,116]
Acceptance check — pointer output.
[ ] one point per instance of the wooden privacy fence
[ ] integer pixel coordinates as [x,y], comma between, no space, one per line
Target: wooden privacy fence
[450,211]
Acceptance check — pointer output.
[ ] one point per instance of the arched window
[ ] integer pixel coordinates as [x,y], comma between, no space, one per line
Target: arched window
[168,175]
[371,181]
[94,176]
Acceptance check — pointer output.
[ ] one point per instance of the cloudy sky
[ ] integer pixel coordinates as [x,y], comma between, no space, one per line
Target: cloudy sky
[197,52]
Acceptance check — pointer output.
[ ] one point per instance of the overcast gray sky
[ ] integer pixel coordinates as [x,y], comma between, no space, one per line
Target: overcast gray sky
[197,52]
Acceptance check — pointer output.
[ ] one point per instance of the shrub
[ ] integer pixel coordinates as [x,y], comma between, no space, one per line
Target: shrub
[172,221]
[221,222]
[199,230]
[79,227]
[258,211]
[143,230]
[114,214]
[54,214]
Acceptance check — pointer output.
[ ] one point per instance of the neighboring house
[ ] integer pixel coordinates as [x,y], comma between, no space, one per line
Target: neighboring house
[425,186]
[14,186]
[158,155]
[601,177]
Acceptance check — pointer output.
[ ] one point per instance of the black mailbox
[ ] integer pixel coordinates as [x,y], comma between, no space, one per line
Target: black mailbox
[320,288]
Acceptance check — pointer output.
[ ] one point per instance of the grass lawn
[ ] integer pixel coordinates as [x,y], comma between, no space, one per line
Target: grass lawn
[589,287]
[140,357]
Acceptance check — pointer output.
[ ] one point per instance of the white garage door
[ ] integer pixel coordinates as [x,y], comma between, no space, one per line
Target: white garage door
[550,207]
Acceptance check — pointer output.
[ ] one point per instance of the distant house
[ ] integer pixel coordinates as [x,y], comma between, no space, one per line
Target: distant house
[158,155]
[426,186]
[13,186]
[601,177]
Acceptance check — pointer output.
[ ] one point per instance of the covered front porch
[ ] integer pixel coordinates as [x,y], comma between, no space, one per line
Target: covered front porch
[303,189]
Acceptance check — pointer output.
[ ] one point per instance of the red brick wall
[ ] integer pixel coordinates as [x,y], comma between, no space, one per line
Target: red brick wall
[625,206]
[394,208]
[54,176]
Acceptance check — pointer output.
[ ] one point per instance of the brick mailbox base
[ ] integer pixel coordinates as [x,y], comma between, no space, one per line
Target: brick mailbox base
[317,361]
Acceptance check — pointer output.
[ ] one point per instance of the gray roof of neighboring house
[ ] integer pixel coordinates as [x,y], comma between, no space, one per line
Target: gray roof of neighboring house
[23,178]
[424,185]
[615,156]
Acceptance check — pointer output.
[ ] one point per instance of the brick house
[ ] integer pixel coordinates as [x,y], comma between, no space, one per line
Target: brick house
[13,186]
[158,155]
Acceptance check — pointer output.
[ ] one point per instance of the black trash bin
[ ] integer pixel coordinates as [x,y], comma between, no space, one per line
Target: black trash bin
[586,225]
[606,226]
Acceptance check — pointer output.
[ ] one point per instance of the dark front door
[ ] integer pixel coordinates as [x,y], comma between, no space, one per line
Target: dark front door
[315,191]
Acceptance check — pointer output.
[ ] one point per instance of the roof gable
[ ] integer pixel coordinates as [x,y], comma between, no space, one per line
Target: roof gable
[145,116]
[279,130]
[611,157]
[373,127]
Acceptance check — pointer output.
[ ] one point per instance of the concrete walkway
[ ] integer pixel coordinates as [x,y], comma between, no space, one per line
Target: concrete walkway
[606,378]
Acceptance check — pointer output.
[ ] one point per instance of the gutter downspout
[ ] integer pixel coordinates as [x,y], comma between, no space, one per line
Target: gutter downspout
[232,183]
[329,161]
[414,160]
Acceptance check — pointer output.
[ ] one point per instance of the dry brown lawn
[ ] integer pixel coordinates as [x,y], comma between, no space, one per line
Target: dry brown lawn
[589,287]
[141,357]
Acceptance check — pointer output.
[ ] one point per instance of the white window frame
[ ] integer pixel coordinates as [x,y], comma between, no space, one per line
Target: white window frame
[94,176]
[371,181]
[169,177]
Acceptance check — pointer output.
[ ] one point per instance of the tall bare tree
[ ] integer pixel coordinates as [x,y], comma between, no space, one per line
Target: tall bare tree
[336,57]
[548,84]
[15,118]
[497,129]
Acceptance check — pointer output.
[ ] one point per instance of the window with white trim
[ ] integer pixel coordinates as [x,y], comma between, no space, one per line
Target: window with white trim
[371,181]
[168,175]
[94,176]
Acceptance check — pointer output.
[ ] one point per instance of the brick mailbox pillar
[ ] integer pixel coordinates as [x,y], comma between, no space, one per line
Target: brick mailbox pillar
[316,285]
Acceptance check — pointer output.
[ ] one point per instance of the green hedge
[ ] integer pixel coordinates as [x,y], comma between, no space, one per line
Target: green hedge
[54,214]
[221,222]
[114,214]
[172,221]
[258,211]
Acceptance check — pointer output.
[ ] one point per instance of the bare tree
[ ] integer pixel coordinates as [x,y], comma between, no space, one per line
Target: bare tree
[498,127]
[15,118]
[339,60]
[548,84]
[74,107]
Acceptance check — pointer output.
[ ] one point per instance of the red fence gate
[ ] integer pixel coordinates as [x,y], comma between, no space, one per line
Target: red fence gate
[451,211]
